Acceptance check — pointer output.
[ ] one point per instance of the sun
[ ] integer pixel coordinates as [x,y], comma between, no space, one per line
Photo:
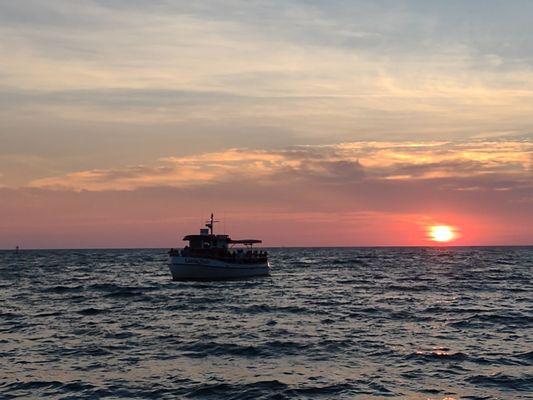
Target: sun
[441,233]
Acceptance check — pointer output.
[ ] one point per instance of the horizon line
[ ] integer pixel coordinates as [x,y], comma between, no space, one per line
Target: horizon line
[272,247]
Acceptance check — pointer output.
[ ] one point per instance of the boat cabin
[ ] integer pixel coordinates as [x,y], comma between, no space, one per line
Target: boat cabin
[209,245]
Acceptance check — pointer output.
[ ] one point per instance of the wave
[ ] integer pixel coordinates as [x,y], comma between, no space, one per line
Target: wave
[256,390]
[275,389]
[63,289]
[266,308]
[482,320]
[499,380]
[349,261]
[437,355]
[10,315]
[204,349]
[41,388]
[91,311]
[127,292]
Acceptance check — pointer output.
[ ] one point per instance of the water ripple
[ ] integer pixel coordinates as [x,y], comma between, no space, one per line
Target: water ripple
[420,323]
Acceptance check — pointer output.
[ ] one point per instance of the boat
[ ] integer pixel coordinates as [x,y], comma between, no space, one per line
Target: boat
[217,257]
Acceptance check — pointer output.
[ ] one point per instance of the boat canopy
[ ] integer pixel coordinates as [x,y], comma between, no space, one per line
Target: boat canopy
[217,241]
[222,238]
[207,239]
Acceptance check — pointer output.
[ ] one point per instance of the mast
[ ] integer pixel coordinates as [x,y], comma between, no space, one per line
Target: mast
[211,223]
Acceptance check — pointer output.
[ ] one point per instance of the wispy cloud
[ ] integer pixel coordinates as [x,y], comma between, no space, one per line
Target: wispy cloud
[332,164]
[313,70]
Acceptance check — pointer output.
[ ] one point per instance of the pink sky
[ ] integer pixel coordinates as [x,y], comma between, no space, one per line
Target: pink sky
[349,194]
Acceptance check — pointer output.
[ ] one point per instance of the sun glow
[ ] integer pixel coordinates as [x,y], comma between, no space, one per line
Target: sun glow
[441,233]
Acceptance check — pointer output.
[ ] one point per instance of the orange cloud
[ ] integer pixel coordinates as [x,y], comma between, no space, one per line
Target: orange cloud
[391,161]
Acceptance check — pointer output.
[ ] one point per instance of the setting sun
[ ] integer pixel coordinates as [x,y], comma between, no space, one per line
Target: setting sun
[441,233]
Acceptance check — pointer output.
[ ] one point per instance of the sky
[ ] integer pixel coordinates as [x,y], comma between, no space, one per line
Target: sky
[125,123]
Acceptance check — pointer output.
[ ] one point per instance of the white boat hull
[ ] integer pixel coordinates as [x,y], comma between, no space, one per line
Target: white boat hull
[194,268]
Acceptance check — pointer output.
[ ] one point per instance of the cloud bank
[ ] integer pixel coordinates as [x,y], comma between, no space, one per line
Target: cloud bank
[188,78]
[337,164]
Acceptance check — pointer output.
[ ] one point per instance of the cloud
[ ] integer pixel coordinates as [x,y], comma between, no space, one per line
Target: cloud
[337,164]
[341,70]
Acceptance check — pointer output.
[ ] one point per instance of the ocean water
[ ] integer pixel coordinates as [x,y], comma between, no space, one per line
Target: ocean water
[417,323]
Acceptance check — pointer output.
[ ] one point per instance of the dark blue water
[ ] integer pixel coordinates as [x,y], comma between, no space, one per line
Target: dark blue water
[416,323]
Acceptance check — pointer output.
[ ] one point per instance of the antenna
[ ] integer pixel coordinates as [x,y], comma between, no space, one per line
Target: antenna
[211,223]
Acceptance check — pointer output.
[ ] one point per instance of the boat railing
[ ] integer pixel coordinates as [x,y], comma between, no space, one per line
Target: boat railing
[228,255]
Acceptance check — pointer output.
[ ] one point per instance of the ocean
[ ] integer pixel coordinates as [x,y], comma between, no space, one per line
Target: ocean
[330,323]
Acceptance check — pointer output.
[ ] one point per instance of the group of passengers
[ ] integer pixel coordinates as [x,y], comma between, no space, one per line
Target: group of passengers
[225,253]
[240,253]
